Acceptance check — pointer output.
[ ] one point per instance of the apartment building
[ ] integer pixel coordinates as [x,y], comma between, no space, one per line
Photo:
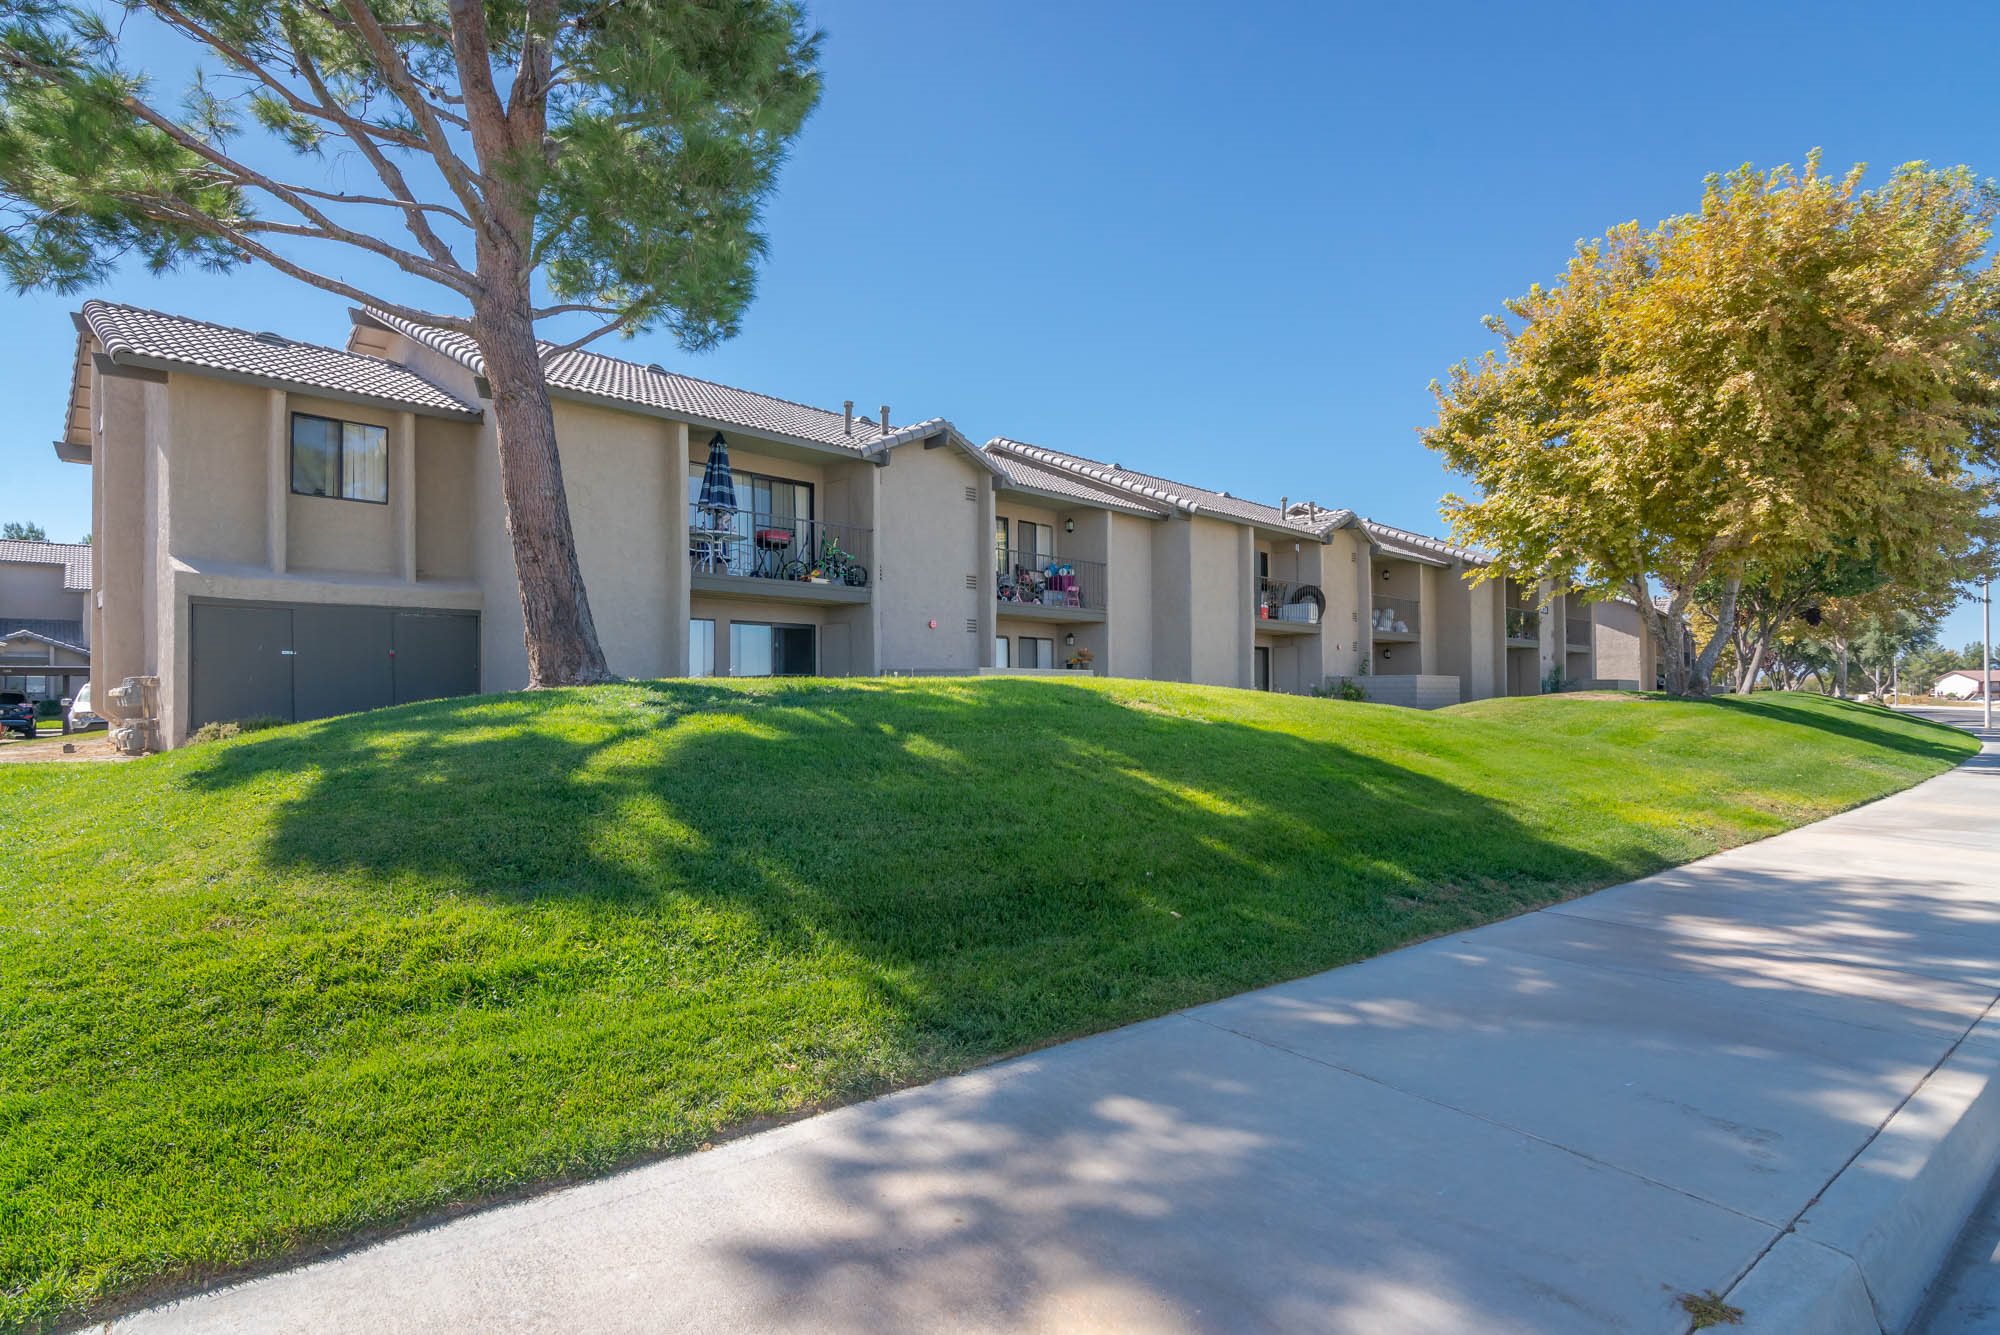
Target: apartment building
[298,530]
[44,618]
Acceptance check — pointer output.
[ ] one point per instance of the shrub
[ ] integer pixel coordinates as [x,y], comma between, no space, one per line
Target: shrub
[1340,688]
[215,732]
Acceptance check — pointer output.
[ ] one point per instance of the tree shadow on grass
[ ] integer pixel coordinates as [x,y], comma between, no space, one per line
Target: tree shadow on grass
[1858,722]
[1008,860]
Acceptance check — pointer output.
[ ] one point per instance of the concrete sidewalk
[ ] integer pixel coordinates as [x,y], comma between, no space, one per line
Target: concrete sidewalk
[1561,1122]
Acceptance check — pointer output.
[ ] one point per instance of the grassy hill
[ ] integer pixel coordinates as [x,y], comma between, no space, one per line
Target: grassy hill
[267,992]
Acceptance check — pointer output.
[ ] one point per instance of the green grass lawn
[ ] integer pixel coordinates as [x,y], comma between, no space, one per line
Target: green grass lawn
[270,992]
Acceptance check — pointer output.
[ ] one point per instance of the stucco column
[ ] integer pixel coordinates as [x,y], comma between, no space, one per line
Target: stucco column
[1364,587]
[1246,607]
[403,450]
[277,479]
[1430,618]
[674,649]
[868,658]
[988,571]
[1483,630]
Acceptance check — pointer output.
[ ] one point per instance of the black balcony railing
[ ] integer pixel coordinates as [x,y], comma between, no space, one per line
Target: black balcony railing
[754,544]
[1049,581]
[1524,623]
[1280,600]
[1397,616]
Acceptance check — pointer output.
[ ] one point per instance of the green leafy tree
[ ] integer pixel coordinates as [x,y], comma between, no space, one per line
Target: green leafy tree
[1925,665]
[1800,368]
[542,160]
[20,532]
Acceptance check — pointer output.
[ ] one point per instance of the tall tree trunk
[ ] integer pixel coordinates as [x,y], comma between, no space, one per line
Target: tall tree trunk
[561,638]
[1747,668]
[1840,666]
[1725,622]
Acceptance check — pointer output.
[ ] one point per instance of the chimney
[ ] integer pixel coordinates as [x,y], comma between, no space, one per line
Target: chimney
[1284,507]
[885,419]
[850,417]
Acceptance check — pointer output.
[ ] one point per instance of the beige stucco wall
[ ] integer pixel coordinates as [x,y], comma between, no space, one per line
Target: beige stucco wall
[1463,631]
[1220,603]
[32,590]
[444,485]
[216,468]
[1129,598]
[617,471]
[930,553]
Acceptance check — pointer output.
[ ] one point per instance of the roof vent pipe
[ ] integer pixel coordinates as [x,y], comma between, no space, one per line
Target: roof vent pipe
[885,419]
[1284,507]
[850,416]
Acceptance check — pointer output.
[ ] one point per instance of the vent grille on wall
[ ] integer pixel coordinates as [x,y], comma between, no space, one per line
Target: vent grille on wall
[972,581]
[972,625]
[972,494]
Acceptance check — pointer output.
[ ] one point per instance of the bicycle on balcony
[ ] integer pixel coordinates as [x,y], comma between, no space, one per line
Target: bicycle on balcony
[834,563]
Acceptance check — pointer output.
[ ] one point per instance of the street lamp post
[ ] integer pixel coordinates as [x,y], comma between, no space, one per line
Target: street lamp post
[1986,647]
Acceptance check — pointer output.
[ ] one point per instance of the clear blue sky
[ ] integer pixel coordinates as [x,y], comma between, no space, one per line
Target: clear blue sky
[1230,243]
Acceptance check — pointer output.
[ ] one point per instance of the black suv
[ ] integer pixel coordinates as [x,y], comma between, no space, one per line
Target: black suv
[17,713]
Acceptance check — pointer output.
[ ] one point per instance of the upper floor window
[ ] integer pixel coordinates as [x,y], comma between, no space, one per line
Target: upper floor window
[346,460]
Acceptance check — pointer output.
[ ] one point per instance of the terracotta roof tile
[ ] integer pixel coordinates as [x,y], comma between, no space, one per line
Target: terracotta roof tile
[134,334]
[73,557]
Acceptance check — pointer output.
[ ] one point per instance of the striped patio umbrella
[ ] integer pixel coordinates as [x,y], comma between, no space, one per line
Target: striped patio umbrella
[716,505]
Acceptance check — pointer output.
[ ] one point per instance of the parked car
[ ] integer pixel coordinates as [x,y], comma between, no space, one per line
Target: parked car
[17,713]
[80,715]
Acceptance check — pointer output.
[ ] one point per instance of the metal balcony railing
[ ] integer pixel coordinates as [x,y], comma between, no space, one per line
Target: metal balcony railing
[1278,600]
[1524,623]
[1397,616]
[755,544]
[1049,581]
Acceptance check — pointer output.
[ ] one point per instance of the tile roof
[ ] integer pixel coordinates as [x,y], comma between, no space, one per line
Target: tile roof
[23,632]
[1418,546]
[653,386]
[1175,495]
[1031,476]
[137,336]
[73,557]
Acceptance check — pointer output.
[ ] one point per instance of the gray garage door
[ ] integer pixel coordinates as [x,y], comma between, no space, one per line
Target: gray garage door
[308,660]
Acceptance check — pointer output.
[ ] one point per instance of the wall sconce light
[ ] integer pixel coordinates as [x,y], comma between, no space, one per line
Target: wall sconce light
[1385,655]
[1069,640]
[1069,526]
[1385,574]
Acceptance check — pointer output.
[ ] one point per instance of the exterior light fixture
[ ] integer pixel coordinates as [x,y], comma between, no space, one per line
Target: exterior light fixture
[1069,526]
[1069,640]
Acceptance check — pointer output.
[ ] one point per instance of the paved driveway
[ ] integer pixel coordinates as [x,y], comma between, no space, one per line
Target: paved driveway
[1562,1122]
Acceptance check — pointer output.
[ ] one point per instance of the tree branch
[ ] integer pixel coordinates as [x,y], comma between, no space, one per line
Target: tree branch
[464,182]
[255,249]
[608,327]
[449,276]
[386,171]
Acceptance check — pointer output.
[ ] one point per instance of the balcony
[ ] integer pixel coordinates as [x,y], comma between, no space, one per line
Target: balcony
[1049,588]
[1576,630]
[1397,620]
[1280,610]
[757,554]
[1524,627]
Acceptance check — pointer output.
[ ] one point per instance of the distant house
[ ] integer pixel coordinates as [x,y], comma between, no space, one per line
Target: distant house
[1967,683]
[44,618]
